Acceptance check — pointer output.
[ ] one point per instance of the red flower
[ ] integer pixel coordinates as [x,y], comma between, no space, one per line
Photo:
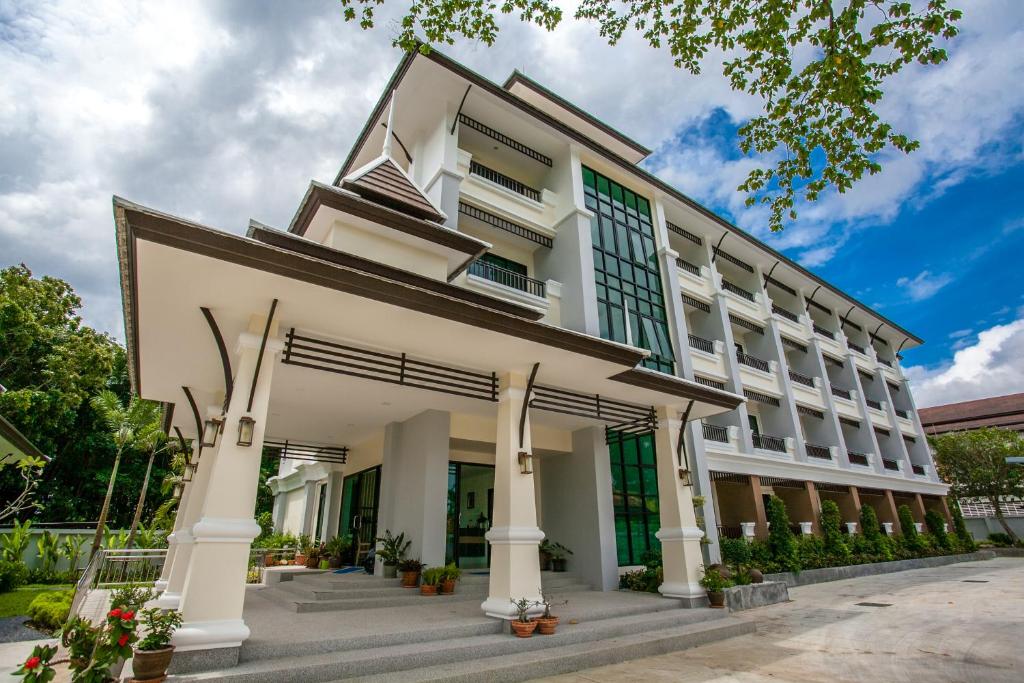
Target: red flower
[32,662]
[127,616]
[116,612]
[123,640]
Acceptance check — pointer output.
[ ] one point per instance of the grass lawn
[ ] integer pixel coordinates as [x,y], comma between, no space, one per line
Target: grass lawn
[16,602]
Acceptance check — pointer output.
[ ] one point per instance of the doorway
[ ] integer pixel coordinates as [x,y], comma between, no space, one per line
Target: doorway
[470,510]
[359,496]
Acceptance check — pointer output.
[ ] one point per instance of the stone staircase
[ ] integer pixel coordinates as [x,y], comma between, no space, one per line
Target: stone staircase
[444,638]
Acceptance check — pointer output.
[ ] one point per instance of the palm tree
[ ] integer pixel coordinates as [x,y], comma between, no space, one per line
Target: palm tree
[157,443]
[163,518]
[129,427]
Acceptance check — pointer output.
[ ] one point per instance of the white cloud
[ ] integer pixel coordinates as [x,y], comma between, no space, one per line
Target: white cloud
[924,285]
[957,334]
[992,366]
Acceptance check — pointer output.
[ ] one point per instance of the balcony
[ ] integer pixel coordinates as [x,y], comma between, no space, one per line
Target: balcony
[841,393]
[494,192]
[505,181]
[508,278]
[688,267]
[818,452]
[738,291]
[716,433]
[701,344]
[818,329]
[785,313]
[769,443]
[901,413]
[856,458]
[872,403]
[919,470]
[857,347]
[753,361]
[801,379]
[886,362]
[891,465]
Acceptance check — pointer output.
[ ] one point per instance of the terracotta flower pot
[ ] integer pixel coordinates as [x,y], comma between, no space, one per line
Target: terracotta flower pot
[523,629]
[756,576]
[447,586]
[410,579]
[546,625]
[313,562]
[300,560]
[717,598]
[269,560]
[428,590]
[151,664]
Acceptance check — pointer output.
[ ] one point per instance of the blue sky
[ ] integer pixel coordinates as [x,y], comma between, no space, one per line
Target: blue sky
[223,110]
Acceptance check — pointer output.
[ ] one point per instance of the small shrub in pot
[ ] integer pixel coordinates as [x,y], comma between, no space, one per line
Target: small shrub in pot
[153,653]
[523,626]
[449,577]
[431,579]
[715,585]
[410,570]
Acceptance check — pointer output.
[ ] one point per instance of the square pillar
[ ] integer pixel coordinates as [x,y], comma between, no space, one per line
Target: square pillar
[679,534]
[761,519]
[918,508]
[514,536]
[310,500]
[890,504]
[855,495]
[214,590]
[172,541]
[945,511]
[815,503]
[332,510]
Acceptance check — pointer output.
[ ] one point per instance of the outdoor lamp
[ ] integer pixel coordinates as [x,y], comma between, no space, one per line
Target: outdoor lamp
[179,488]
[211,428]
[684,476]
[525,463]
[246,426]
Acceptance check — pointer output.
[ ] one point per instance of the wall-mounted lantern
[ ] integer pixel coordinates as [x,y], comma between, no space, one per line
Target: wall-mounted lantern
[179,488]
[246,427]
[211,428]
[525,463]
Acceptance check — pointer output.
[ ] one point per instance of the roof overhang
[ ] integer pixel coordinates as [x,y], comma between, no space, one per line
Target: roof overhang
[15,446]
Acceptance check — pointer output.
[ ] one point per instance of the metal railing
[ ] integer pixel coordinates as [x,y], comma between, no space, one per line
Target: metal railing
[841,393]
[111,568]
[738,291]
[857,458]
[505,181]
[261,558]
[701,344]
[902,413]
[918,469]
[789,315]
[716,433]
[887,363]
[857,347]
[503,276]
[872,403]
[683,264]
[893,465]
[823,332]
[801,379]
[816,451]
[753,361]
[769,443]
[730,531]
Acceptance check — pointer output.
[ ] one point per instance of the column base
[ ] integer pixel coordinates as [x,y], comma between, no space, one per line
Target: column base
[160,586]
[209,635]
[504,609]
[167,600]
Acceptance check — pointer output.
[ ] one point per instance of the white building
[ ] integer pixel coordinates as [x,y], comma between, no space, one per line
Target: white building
[489,330]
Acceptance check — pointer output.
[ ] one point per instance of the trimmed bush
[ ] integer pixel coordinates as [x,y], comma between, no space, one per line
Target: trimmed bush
[50,610]
[1000,539]
[781,541]
[735,551]
[936,524]
[967,543]
[831,531]
[911,539]
[812,552]
[12,575]
[873,533]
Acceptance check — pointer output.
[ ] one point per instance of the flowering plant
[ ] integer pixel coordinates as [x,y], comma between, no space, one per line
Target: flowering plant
[94,649]
[37,669]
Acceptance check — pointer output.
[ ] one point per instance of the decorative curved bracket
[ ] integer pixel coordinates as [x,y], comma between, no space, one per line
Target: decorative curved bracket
[874,335]
[811,298]
[259,359]
[455,123]
[769,275]
[198,419]
[225,361]
[526,404]
[684,461]
[845,317]
[714,252]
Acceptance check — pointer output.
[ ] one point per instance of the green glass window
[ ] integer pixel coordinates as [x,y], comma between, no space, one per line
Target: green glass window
[626,269]
[634,495]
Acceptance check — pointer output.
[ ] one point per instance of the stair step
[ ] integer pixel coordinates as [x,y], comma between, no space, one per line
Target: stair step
[467,655]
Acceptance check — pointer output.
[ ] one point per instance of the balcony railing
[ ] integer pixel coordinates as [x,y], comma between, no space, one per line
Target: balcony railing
[801,379]
[872,403]
[858,348]
[788,315]
[730,531]
[753,361]
[884,361]
[841,393]
[816,451]
[823,332]
[918,470]
[769,443]
[889,464]
[857,458]
[683,264]
[701,344]
[502,276]
[902,413]
[738,291]
[716,433]
[505,181]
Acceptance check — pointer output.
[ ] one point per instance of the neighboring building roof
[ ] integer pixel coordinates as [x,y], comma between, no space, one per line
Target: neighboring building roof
[14,444]
[493,88]
[999,411]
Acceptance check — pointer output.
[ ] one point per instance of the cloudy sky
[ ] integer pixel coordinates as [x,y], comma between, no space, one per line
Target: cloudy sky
[224,110]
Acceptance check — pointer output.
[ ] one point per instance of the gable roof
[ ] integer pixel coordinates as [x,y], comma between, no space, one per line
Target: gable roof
[998,411]
[383,181]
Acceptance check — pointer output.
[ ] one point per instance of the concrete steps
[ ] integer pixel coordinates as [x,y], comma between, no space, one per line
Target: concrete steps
[476,652]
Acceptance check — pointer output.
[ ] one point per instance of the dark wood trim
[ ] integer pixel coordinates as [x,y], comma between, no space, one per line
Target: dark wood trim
[455,121]
[176,233]
[225,360]
[408,157]
[168,417]
[677,386]
[526,404]
[195,415]
[259,358]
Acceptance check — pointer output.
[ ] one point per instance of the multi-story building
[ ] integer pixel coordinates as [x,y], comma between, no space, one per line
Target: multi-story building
[515,319]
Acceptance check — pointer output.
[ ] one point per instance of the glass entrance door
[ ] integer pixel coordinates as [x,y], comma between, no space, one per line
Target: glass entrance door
[359,495]
[470,507]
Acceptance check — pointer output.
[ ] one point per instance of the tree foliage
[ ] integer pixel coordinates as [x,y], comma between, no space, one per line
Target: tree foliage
[819,67]
[974,464]
[781,541]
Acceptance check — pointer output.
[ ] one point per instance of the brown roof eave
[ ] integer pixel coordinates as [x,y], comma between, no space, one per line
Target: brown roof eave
[678,386]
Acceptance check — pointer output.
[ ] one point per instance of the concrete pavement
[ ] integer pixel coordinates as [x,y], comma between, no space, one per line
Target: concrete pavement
[962,622]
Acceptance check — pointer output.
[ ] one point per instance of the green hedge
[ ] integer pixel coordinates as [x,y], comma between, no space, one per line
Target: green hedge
[50,610]
[12,575]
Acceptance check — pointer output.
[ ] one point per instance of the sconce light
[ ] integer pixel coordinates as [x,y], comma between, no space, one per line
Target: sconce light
[525,463]
[684,476]
[211,428]
[246,426]
[179,488]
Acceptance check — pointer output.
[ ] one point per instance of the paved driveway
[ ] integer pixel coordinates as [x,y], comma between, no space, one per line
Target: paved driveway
[963,622]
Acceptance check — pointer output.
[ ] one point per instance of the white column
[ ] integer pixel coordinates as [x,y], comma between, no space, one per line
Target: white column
[514,536]
[172,538]
[679,534]
[309,509]
[214,591]
[332,506]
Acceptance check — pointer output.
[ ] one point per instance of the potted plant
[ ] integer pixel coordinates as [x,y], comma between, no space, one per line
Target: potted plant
[410,570]
[305,546]
[153,653]
[558,559]
[544,552]
[547,622]
[715,585]
[523,626]
[313,556]
[336,549]
[449,577]
[392,550]
[431,580]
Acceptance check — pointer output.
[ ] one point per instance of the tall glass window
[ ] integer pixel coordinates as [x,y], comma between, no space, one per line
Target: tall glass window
[634,495]
[626,269]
